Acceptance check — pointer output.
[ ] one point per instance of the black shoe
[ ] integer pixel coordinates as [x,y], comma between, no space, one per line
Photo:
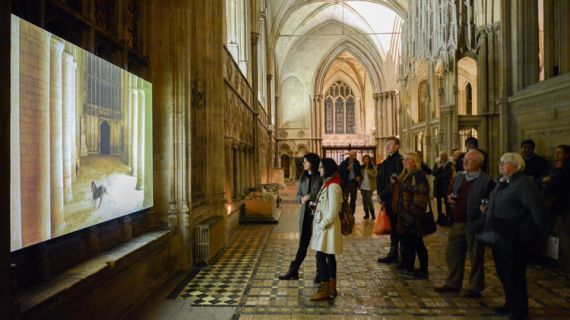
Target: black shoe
[472,294]
[445,288]
[501,310]
[419,274]
[408,274]
[373,216]
[400,266]
[366,216]
[390,258]
[290,275]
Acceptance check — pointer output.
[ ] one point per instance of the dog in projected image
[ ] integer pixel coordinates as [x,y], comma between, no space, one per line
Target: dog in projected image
[97,192]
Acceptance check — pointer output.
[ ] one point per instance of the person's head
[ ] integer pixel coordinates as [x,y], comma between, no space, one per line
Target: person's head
[366,160]
[562,153]
[471,143]
[443,156]
[412,161]
[510,164]
[455,154]
[311,162]
[527,148]
[352,154]
[473,160]
[392,145]
[329,167]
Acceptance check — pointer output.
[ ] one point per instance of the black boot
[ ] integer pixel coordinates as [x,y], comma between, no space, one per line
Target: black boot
[292,274]
[392,257]
[373,215]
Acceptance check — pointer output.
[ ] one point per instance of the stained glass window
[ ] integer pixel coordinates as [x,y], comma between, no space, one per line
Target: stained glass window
[340,110]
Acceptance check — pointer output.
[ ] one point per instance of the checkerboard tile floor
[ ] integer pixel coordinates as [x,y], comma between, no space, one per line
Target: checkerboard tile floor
[223,283]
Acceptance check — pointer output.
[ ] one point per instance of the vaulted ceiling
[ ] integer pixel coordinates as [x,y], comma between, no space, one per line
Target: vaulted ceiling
[377,22]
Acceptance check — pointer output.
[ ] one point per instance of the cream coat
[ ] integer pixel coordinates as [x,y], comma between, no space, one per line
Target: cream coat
[327,236]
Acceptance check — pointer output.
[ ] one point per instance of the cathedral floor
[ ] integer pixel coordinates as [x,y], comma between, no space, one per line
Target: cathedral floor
[243,282]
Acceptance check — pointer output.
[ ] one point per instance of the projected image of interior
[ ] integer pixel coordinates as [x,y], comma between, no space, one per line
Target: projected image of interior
[81,134]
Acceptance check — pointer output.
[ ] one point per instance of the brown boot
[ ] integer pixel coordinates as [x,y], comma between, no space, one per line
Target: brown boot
[334,293]
[323,293]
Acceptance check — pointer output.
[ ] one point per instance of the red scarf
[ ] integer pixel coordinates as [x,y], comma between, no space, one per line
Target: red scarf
[335,179]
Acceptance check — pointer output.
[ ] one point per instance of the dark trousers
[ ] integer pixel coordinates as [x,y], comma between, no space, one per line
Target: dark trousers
[413,244]
[394,236]
[439,207]
[367,202]
[350,189]
[304,241]
[326,264]
[511,261]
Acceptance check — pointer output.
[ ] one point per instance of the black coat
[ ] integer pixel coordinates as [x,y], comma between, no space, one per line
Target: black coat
[518,207]
[344,173]
[393,165]
[442,179]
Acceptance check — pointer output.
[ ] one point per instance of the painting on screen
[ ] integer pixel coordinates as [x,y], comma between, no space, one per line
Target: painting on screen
[81,138]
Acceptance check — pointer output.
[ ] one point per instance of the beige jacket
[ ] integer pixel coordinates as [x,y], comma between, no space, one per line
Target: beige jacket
[327,236]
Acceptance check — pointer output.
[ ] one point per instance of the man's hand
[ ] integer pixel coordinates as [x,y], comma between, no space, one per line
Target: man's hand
[304,199]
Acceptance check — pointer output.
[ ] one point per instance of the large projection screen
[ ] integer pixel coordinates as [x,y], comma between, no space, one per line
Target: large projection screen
[81,138]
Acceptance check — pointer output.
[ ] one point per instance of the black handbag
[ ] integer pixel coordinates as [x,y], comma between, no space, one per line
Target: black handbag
[425,225]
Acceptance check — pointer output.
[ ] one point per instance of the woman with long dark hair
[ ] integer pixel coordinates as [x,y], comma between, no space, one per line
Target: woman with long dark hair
[327,236]
[309,186]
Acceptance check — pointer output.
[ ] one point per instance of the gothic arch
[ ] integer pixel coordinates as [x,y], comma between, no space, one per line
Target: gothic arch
[360,52]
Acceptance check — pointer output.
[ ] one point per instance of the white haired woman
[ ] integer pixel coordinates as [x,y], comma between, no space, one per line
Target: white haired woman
[516,213]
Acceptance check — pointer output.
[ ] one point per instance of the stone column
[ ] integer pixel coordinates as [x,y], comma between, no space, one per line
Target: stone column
[564,36]
[377,123]
[35,135]
[14,145]
[235,169]
[141,138]
[505,75]
[242,169]
[56,137]
[229,169]
[255,106]
[69,67]
[134,128]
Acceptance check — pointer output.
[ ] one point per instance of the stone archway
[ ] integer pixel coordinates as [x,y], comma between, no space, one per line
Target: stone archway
[104,138]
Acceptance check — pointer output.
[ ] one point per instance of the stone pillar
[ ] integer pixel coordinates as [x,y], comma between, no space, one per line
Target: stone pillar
[564,35]
[377,123]
[243,169]
[129,121]
[56,137]
[141,138]
[235,169]
[35,135]
[69,68]
[14,145]
[134,128]
[506,76]
[229,169]
[255,106]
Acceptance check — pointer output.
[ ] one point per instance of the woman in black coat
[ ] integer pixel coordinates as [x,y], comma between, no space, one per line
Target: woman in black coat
[516,214]
[309,186]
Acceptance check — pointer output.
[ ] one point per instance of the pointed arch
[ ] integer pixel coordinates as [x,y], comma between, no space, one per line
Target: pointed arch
[364,55]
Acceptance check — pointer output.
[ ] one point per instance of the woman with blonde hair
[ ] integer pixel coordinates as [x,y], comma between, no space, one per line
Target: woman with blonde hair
[411,200]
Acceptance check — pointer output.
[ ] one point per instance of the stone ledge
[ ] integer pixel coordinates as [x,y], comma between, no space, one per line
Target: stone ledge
[64,288]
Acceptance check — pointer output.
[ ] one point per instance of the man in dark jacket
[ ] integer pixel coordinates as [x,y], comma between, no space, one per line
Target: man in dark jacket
[442,172]
[535,166]
[350,176]
[471,186]
[390,167]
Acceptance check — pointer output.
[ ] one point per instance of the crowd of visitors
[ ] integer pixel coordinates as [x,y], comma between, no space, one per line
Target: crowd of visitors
[510,214]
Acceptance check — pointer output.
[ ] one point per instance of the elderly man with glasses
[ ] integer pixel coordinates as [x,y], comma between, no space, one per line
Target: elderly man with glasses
[470,189]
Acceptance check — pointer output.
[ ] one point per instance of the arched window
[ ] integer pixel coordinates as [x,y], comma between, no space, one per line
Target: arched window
[468,99]
[339,109]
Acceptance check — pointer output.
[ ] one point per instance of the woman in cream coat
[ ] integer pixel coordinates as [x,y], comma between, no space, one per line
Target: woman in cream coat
[327,237]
